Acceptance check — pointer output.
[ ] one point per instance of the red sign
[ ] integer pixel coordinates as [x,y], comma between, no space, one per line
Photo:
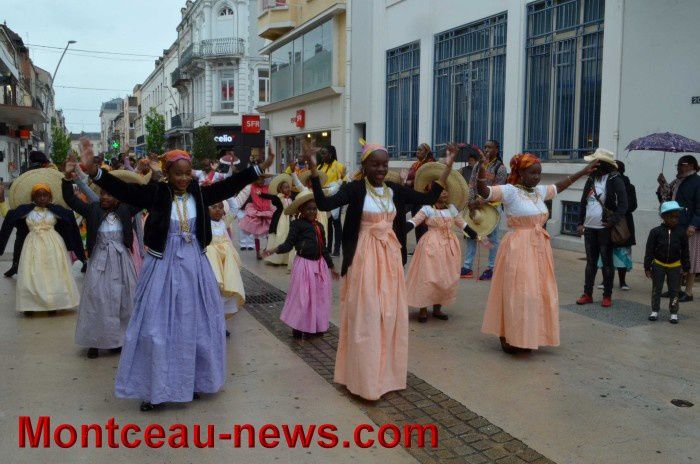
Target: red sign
[250,124]
[300,120]
[24,134]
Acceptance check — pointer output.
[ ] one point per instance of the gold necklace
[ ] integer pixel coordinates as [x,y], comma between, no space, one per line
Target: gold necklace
[382,200]
[182,217]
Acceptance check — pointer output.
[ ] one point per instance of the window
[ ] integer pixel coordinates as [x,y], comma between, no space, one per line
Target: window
[469,82]
[564,67]
[227,90]
[226,11]
[569,217]
[263,85]
[402,91]
[303,65]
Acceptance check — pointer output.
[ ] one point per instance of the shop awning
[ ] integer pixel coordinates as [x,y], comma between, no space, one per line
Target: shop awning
[21,115]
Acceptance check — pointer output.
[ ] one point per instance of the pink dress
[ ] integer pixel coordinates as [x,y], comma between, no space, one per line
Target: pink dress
[372,356]
[523,304]
[433,274]
[258,213]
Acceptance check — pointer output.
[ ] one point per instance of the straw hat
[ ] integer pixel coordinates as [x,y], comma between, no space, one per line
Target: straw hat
[130,177]
[303,197]
[278,180]
[485,220]
[456,185]
[304,177]
[21,189]
[393,176]
[602,154]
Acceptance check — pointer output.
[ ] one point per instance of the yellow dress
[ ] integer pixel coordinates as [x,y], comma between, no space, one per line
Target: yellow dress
[278,238]
[226,264]
[45,279]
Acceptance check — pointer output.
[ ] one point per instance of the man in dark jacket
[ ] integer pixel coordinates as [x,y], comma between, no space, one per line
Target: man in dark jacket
[603,204]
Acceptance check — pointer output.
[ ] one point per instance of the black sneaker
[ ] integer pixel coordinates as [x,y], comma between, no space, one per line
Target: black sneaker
[684,298]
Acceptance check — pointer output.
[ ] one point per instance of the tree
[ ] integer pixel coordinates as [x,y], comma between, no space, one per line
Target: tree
[155,132]
[60,145]
[203,144]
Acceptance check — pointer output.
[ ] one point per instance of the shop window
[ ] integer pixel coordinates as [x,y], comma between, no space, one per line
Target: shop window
[227,90]
[569,217]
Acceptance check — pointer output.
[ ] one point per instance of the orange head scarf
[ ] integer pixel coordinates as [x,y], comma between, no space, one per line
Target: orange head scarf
[40,186]
[173,156]
[519,163]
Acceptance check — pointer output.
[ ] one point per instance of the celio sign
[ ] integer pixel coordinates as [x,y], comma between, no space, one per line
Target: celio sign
[223,138]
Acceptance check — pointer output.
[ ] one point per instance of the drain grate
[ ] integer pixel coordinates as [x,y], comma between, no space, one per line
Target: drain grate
[264,298]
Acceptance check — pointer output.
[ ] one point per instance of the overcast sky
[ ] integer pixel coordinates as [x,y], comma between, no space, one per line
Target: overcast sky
[125,26]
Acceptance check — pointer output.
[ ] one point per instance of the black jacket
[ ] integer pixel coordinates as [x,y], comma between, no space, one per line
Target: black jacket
[688,196]
[615,199]
[157,198]
[66,226]
[668,246]
[631,208]
[302,237]
[279,209]
[353,194]
[94,215]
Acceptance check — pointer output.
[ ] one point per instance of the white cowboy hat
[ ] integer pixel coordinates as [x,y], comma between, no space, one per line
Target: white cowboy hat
[603,155]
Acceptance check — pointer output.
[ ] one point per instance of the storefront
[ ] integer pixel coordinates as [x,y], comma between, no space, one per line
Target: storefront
[289,146]
[231,137]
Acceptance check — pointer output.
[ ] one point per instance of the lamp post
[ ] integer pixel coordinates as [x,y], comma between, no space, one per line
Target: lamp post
[53,78]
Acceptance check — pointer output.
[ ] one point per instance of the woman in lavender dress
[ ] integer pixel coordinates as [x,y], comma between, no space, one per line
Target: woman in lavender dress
[174,346]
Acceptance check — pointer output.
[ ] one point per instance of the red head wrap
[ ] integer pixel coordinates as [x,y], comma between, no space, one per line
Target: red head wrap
[519,163]
[173,156]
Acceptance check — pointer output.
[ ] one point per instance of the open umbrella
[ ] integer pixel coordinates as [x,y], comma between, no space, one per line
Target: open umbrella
[665,142]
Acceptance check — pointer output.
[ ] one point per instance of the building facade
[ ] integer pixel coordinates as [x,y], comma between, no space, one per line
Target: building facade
[94,137]
[109,111]
[554,77]
[308,69]
[26,105]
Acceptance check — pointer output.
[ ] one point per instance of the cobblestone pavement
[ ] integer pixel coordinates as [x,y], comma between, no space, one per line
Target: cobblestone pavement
[464,437]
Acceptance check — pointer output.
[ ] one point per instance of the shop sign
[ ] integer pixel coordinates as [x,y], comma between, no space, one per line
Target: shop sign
[300,119]
[224,138]
[250,124]
[25,134]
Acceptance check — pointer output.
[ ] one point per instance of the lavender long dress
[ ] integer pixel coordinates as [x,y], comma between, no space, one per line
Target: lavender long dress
[175,343]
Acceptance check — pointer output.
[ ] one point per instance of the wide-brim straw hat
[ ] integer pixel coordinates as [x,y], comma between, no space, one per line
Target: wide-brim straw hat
[306,175]
[457,187]
[603,155]
[279,180]
[485,221]
[393,176]
[130,177]
[303,197]
[21,189]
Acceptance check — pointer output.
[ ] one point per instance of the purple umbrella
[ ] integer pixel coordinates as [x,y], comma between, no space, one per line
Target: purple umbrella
[665,142]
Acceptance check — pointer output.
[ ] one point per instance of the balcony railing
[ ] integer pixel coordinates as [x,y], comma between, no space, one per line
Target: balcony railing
[178,76]
[213,48]
[182,121]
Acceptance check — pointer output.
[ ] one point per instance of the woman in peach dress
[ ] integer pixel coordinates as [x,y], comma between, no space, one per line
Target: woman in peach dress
[523,304]
[433,274]
[372,356]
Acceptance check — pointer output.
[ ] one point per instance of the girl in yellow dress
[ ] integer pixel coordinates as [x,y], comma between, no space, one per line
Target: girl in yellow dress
[45,279]
[281,196]
[225,261]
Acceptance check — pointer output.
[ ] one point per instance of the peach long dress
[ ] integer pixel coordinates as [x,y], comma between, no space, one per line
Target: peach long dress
[523,304]
[372,357]
[433,274]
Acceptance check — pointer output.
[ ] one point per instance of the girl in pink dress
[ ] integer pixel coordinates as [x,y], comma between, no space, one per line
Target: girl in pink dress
[307,307]
[372,356]
[258,214]
[523,304]
[433,274]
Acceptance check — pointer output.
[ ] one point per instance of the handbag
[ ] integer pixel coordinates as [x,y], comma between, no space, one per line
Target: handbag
[620,232]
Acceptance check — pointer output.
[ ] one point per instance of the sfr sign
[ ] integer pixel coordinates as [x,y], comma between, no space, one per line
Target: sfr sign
[250,124]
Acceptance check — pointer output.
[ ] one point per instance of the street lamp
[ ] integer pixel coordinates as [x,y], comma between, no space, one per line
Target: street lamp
[53,78]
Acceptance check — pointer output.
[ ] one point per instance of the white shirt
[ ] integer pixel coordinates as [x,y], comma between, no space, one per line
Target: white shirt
[111,223]
[218,228]
[374,205]
[191,208]
[518,202]
[594,210]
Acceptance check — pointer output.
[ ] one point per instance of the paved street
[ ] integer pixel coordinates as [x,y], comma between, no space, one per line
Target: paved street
[603,396]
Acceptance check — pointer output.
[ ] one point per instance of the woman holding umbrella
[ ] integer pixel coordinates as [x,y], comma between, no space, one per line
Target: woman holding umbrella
[685,189]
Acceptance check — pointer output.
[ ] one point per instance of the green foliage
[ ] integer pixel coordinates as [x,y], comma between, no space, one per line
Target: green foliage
[203,144]
[155,132]
[60,145]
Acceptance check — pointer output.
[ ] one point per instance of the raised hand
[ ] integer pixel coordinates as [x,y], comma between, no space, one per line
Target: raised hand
[87,157]
[70,170]
[591,167]
[267,253]
[269,160]
[451,153]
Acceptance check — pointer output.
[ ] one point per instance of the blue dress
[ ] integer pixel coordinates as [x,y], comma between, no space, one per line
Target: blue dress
[175,342]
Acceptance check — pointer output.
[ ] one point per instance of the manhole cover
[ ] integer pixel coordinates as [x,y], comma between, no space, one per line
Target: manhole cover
[682,403]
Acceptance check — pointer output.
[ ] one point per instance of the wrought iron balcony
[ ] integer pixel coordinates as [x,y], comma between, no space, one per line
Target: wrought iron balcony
[178,77]
[182,121]
[229,47]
